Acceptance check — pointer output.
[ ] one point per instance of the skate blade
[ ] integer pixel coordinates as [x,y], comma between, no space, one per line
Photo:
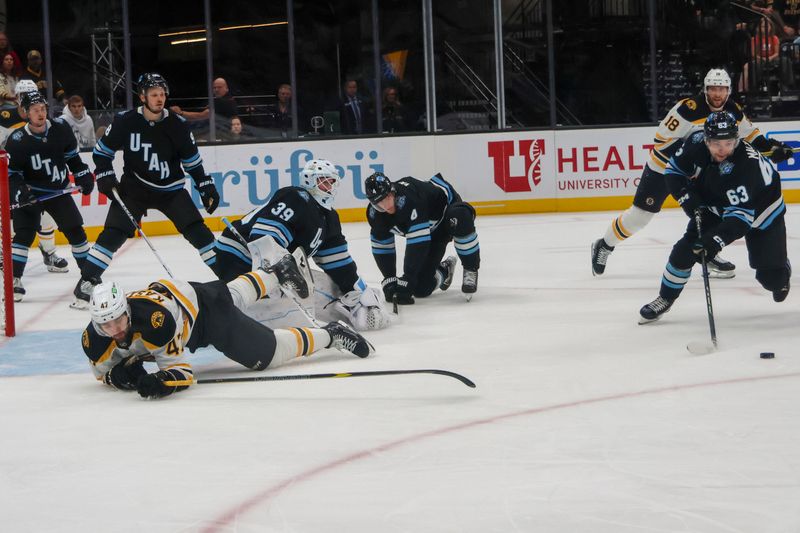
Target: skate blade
[79,304]
[468,296]
[54,268]
[643,320]
[18,297]
[700,347]
[720,274]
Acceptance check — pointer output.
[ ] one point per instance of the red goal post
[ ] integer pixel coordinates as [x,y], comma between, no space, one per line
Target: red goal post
[7,318]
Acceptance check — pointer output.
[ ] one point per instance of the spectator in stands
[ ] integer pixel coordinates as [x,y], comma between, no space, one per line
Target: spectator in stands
[224,107]
[236,131]
[789,11]
[35,72]
[281,118]
[79,120]
[765,48]
[5,48]
[8,83]
[394,113]
[355,115]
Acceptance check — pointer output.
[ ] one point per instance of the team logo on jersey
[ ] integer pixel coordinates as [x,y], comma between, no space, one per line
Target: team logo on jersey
[85,339]
[511,157]
[5,114]
[17,135]
[697,137]
[400,202]
[725,167]
[304,195]
[157,319]
[691,104]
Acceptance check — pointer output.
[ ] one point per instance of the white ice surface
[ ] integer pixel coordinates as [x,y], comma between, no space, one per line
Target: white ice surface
[582,421]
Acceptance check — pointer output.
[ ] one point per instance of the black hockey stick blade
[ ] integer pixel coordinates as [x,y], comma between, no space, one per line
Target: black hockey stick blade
[466,381]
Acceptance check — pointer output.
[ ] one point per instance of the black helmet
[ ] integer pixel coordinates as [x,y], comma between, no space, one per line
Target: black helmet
[149,80]
[721,125]
[377,187]
[31,98]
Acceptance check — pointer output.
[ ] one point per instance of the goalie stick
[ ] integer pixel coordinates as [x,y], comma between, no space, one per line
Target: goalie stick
[292,377]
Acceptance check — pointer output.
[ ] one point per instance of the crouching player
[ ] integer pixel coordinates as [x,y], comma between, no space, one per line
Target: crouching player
[739,194]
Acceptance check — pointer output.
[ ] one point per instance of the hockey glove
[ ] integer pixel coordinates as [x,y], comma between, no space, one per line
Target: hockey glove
[781,152]
[688,202]
[107,182]
[399,287]
[125,374]
[22,194]
[85,181]
[152,385]
[710,244]
[208,194]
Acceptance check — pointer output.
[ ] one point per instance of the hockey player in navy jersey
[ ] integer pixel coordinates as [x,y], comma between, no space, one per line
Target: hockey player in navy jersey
[304,217]
[681,122]
[170,317]
[739,194]
[428,214]
[39,154]
[13,119]
[157,147]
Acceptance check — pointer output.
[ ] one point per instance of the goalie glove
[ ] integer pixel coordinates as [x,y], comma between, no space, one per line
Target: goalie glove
[365,309]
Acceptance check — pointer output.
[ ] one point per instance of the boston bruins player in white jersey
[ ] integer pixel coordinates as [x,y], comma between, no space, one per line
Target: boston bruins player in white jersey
[169,317]
[684,119]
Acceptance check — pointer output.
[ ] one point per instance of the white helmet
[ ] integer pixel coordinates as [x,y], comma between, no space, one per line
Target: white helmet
[25,86]
[108,302]
[716,77]
[309,180]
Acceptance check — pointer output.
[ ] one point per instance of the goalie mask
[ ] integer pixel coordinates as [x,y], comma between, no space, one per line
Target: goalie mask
[320,178]
[107,304]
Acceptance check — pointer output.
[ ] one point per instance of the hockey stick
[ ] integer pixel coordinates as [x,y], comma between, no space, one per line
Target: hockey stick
[700,347]
[50,196]
[466,381]
[141,231]
[767,154]
[284,290]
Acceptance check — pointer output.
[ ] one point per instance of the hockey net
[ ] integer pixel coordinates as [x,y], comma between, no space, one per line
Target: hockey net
[7,311]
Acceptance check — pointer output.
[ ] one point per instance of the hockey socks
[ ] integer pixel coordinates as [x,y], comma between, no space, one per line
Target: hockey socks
[292,343]
[248,288]
[47,234]
[626,225]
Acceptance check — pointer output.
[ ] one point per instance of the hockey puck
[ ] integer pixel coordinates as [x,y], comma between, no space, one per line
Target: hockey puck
[767,355]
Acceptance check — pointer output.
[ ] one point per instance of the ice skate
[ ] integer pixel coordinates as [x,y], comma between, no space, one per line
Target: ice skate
[654,310]
[345,338]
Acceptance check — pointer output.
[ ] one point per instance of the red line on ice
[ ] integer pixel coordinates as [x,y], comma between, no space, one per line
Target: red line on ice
[228,517]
